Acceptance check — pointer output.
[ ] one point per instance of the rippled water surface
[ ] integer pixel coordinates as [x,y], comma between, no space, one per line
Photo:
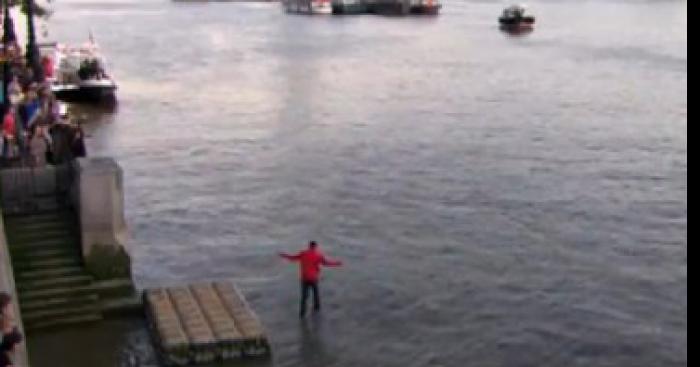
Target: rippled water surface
[498,200]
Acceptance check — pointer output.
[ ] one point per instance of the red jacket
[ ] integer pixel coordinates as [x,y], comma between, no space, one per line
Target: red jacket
[310,262]
[47,64]
[9,128]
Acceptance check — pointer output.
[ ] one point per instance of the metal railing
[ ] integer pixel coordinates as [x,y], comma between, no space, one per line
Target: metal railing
[29,190]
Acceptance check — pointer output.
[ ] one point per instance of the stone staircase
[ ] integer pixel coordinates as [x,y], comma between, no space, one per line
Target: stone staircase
[54,287]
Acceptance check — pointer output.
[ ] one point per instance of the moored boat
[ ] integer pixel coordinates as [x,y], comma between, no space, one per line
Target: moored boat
[308,6]
[77,74]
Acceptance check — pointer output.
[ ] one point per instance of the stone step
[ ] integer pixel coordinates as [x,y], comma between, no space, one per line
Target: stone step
[53,283]
[106,289]
[24,230]
[63,321]
[68,242]
[46,225]
[45,264]
[55,272]
[55,293]
[40,217]
[49,314]
[122,306]
[114,289]
[38,204]
[29,236]
[44,254]
[41,224]
[76,301]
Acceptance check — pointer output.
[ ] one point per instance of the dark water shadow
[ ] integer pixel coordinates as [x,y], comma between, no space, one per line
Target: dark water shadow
[516,32]
[105,107]
[313,349]
[246,362]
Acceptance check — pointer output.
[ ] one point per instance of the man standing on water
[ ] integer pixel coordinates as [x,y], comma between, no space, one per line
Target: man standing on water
[310,262]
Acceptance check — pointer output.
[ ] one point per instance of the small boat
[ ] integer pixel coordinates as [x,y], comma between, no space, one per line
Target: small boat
[426,7]
[516,18]
[77,74]
[321,7]
[309,6]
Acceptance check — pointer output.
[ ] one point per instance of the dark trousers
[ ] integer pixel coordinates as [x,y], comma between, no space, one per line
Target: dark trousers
[307,286]
[6,147]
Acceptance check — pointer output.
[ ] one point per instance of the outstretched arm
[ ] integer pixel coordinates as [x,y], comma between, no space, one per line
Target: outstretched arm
[290,257]
[328,262]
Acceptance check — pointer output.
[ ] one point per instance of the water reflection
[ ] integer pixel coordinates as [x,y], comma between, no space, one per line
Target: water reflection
[312,341]
[516,31]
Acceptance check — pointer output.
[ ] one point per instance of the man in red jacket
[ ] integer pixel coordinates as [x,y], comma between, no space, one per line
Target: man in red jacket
[310,262]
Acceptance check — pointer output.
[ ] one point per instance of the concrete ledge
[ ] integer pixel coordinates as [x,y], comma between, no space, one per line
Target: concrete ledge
[98,195]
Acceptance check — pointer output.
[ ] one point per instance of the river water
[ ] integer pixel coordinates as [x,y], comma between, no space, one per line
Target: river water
[497,200]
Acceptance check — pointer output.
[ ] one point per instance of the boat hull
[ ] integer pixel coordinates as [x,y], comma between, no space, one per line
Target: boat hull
[524,21]
[86,93]
[426,9]
[404,7]
[353,8]
[517,26]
